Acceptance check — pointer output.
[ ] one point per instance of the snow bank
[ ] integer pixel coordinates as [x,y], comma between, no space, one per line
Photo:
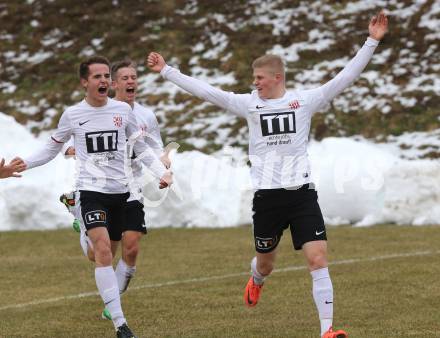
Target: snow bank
[358,182]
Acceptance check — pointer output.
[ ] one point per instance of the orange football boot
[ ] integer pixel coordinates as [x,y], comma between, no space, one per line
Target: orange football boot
[252,293]
[335,334]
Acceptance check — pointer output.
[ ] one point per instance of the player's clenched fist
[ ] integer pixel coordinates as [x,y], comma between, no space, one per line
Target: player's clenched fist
[155,62]
[166,180]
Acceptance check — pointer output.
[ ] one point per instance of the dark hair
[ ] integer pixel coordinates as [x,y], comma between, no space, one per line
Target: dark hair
[84,66]
[121,64]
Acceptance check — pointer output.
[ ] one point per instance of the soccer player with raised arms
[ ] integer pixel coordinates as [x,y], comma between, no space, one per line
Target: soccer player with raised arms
[279,125]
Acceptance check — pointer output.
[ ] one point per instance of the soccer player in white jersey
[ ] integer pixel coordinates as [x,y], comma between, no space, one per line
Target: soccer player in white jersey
[125,84]
[11,169]
[71,201]
[100,127]
[279,124]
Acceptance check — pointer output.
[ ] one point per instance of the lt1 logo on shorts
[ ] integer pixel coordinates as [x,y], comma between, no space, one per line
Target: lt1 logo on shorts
[265,244]
[102,141]
[277,123]
[95,216]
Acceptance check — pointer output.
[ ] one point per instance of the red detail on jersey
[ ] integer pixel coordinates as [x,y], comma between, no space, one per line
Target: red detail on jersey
[55,140]
[117,120]
[294,104]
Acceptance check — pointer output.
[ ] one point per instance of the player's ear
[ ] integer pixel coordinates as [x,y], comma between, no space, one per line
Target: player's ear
[113,84]
[84,83]
[278,77]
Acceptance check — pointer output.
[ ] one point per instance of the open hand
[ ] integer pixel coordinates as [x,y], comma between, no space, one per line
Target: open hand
[378,26]
[12,169]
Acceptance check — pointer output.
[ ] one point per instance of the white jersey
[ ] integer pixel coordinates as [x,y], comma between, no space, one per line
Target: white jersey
[278,128]
[100,136]
[146,121]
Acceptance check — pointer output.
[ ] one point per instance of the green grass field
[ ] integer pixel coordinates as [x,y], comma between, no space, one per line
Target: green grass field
[189,283]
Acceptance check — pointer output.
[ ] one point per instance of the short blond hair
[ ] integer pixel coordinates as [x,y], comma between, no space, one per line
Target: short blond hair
[273,62]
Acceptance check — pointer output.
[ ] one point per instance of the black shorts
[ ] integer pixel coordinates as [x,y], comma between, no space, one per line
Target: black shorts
[135,217]
[277,209]
[104,210]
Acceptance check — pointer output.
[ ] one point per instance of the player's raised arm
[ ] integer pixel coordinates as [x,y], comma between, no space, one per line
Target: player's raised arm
[201,89]
[377,28]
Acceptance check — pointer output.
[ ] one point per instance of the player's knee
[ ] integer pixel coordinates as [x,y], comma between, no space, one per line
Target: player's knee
[91,255]
[103,251]
[317,261]
[130,246]
[131,251]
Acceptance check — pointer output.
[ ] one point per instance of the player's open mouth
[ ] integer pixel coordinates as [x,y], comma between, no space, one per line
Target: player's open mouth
[102,90]
[130,90]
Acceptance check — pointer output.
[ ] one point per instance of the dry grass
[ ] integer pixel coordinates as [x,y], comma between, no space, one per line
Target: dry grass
[391,296]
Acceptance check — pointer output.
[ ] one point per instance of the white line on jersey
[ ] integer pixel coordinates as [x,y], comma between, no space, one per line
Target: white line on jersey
[219,277]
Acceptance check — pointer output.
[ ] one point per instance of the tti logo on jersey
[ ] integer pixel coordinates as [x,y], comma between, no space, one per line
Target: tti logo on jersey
[102,141]
[278,123]
[95,216]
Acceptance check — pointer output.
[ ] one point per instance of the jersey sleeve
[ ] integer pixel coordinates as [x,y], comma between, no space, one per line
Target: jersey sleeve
[235,103]
[67,145]
[64,130]
[143,152]
[153,138]
[345,77]
[53,146]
